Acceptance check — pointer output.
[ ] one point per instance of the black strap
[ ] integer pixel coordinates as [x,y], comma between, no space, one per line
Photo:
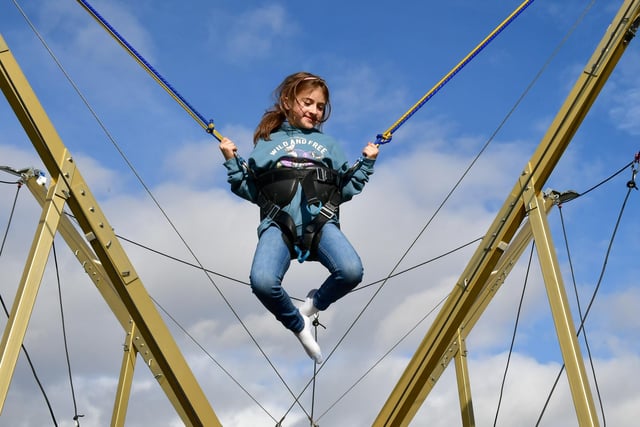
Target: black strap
[312,231]
[321,190]
[323,175]
[270,210]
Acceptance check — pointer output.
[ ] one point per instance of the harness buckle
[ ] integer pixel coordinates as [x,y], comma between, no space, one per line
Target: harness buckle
[328,211]
[322,175]
[272,211]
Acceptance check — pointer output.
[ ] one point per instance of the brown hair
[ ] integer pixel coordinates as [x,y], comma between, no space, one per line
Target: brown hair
[288,90]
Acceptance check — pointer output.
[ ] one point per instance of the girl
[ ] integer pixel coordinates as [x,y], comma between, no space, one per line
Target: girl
[298,176]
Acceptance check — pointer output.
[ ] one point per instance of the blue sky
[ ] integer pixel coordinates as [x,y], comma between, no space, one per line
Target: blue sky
[378,58]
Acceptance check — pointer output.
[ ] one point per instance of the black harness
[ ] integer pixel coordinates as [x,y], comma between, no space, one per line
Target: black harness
[321,189]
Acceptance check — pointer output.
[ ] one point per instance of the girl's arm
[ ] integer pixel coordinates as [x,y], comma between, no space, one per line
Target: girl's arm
[237,173]
[356,177]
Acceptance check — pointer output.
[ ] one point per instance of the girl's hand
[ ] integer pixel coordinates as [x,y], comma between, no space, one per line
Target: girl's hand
[370,151]
[228,148]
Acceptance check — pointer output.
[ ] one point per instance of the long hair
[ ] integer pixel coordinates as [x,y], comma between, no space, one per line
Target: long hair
[288,90]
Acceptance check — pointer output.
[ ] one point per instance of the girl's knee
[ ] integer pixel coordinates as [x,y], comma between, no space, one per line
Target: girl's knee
[264,284]
[353,273]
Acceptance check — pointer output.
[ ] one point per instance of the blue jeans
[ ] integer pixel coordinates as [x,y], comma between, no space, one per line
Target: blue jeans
[272,260]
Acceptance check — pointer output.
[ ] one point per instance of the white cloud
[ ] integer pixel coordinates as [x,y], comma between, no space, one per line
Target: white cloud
[255,33]
[412,177]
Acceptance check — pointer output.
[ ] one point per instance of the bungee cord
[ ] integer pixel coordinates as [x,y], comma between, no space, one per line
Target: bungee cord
[358,289]
[382,138]
[386,136]
[157,203]
[468,169]
[193,339]
[630,184]
[461,179]
[209,126]
[332,405]
[206,124]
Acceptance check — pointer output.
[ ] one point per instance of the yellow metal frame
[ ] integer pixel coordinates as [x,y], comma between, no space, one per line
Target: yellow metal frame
[475,287]
[105,261]
[523,217]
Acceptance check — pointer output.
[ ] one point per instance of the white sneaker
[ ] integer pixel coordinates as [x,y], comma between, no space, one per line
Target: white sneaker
[307,308]
[308,342]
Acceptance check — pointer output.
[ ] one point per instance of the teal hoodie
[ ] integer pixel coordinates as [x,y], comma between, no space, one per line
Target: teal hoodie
[291,147]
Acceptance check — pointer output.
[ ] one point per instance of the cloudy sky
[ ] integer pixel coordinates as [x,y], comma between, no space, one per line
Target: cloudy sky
[134,144]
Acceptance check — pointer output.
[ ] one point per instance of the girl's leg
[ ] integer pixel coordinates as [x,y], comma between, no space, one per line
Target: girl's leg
[270,263]
[341,259]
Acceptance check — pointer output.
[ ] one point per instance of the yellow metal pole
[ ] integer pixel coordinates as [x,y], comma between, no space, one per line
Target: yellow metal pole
[464,383]
[93,267]
[186,396]
[127,370]
[417,380]
[25,299]
[560,309]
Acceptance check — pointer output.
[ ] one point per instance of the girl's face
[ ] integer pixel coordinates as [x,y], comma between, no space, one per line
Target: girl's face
[308,108]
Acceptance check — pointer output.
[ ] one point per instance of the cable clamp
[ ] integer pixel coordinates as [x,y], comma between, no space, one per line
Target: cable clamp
[211,127]
[316,322]
[632,182]
[383,138]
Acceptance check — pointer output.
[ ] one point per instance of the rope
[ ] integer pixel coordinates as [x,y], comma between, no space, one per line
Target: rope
[316,323]
[385,137]
[580,314]
[76,417]
[458,183]
[387,353]
[513,335]
[209,126]
[424,318]
[387,133]
[213,359]
[157,203]
[244,282]
[204,123]
[476,158]
[583,319]
[630,184]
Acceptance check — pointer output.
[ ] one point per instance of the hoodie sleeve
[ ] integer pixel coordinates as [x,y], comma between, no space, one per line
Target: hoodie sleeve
[240,179]
[355,178]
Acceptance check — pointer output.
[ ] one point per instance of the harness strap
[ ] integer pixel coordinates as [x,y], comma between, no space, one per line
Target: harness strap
[280,217]
[311,234]
[321,190]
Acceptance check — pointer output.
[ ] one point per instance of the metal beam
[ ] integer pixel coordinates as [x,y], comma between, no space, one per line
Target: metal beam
[27,292]
[561,311]
[424,367]
[186,394]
